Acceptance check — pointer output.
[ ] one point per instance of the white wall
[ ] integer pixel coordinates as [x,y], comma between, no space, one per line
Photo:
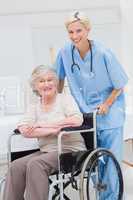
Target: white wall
[16,57]
[32,6]
[127,35]
[127,59]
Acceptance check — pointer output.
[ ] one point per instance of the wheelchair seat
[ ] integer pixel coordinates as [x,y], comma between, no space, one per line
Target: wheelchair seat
[19,154]
[72,161]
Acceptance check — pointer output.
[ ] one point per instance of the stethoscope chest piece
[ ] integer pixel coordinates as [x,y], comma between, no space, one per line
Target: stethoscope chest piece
[91,75]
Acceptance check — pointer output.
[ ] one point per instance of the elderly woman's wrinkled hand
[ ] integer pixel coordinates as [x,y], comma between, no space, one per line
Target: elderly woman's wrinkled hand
[26,130]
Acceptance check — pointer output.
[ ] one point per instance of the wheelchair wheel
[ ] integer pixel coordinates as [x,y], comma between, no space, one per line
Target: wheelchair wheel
[99,168]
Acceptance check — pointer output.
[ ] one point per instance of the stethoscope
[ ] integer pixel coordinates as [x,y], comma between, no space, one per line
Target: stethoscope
[75,65]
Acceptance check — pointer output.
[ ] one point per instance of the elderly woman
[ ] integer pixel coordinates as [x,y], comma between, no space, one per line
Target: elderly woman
[28,176]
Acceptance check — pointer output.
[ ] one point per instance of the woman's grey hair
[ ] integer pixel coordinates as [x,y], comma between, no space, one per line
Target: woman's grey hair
[38,72]
[78,16]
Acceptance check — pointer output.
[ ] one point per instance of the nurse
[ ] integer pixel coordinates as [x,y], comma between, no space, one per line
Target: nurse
[96,80]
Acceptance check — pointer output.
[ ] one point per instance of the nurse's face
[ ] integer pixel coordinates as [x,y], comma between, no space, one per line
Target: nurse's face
[77,33]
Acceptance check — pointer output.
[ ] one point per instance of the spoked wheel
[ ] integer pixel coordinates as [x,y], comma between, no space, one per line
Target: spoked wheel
[101,177]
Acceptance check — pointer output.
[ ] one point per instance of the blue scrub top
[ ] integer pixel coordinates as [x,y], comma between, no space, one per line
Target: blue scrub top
[91,91]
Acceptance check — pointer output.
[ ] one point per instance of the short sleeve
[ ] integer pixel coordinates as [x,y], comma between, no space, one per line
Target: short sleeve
[116,72]
[59,67]
[29,116]
[71,107]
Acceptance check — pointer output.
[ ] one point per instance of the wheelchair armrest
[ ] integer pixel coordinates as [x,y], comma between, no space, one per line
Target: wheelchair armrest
[87,123]
[76,128]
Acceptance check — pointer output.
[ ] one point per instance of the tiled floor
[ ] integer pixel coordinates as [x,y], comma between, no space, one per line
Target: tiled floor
[127,171]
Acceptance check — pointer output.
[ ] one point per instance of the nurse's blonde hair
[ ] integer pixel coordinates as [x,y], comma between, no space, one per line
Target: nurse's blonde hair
[78,16]
[39,72]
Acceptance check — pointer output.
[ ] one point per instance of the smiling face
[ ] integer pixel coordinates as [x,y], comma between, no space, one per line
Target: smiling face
[77,33]
[46,85]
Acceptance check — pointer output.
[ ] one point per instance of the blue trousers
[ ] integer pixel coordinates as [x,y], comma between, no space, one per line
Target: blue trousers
[111,139]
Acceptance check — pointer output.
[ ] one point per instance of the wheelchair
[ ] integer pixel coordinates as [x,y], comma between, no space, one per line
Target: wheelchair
[80,170]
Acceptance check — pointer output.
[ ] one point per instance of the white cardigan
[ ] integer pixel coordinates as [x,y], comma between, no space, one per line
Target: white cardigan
[64,106]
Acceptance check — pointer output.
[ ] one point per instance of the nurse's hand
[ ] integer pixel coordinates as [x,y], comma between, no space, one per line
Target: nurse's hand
[103,109]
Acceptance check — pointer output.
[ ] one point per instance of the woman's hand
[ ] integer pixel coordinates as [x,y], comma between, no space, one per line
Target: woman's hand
[26,130]
[103,109]
[43,130]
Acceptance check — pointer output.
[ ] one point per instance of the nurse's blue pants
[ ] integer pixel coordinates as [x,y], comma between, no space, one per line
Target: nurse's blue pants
[111,139]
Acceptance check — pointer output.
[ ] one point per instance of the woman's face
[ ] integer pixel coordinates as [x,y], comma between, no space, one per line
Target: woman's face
[77,33]
[46,85]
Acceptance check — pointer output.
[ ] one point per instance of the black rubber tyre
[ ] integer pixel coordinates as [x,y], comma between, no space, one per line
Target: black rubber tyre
[90,189]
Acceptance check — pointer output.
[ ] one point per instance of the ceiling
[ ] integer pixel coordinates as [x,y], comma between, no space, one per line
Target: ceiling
[11,7]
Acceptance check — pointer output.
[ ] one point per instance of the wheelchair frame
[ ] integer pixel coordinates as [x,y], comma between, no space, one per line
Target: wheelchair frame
[72,131]
[61,179]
